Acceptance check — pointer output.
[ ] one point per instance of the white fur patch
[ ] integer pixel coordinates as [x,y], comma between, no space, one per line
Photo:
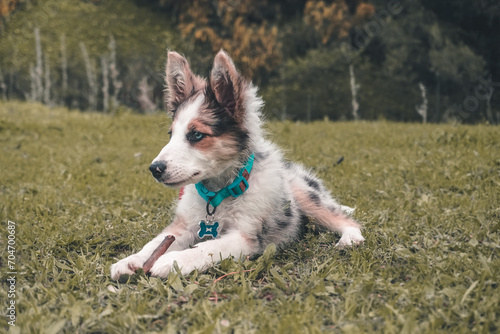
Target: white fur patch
[183,162]
[347,210]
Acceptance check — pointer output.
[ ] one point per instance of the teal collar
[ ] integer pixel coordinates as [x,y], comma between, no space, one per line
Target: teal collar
[235,189]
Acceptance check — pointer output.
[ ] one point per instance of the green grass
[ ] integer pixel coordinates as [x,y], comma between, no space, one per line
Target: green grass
[78,187]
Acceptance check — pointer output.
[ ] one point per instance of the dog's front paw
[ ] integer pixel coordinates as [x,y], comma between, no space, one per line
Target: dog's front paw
[186,260]
[127,265]
[162,267]
[351,236]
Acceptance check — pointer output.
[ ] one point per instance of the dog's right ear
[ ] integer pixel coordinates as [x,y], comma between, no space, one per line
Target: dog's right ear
[181,82]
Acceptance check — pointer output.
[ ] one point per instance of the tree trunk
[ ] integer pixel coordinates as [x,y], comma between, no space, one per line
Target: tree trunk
[354,91]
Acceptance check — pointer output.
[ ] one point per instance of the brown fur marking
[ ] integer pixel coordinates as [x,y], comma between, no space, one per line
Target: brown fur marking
[334,221]
[200,124]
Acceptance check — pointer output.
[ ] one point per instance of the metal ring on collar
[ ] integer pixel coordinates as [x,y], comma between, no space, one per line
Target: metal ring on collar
[208,207]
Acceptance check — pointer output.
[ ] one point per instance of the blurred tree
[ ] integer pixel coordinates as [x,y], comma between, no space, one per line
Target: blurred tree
[290,48]
[242,28]
[336,19]
[415,48]
[453,63]
[7,7]
[477,23]
[312,87]
[139,38]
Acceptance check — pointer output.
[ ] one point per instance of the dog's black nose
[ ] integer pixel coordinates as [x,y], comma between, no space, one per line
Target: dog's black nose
[157,168]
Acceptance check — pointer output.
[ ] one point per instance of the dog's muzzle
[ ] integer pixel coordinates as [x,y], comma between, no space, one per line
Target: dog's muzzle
[157,169]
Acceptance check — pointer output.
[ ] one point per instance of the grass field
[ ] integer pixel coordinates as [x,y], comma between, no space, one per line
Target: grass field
[79,191]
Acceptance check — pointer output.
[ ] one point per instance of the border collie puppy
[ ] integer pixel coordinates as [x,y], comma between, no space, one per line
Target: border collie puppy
[238,193]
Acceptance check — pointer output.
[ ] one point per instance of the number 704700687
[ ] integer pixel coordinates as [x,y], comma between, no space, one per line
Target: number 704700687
[11,245]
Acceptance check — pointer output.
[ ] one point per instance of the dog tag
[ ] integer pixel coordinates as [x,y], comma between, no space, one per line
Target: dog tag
[208,229]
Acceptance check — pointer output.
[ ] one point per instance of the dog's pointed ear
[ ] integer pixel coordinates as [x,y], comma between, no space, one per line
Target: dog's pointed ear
[227,84]
[181,82]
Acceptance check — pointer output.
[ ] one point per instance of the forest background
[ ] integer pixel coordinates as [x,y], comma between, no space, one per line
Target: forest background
[402,60]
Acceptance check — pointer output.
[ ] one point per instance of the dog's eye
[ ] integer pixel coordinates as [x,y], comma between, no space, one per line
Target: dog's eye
[195,136]
[170,133]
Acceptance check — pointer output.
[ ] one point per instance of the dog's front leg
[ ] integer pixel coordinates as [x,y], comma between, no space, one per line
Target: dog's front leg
[203,254]
[129,264]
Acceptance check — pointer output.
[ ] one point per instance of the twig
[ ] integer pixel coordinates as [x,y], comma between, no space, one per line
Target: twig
[159,251]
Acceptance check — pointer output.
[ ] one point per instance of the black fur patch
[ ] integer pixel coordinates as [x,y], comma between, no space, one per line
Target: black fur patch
[265,228]
[312,182]
[287,163]
[259,156]
[314,198]
[287,209]
[260,239]
[225,123]
[304,221]
[282,224]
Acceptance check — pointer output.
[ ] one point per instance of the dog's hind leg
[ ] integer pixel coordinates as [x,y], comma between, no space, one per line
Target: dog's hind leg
[315,201]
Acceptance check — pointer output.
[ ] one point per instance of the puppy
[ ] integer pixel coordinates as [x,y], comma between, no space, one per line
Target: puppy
[238,193]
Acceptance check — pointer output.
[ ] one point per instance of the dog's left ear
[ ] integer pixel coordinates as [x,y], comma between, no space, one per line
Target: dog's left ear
[227,84]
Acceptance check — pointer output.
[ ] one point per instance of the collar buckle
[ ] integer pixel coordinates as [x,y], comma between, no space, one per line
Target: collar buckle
[238,187]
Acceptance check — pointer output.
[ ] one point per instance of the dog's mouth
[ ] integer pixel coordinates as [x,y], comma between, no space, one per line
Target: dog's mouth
[182,183]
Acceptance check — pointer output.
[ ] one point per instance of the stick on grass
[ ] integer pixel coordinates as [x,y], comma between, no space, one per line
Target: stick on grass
[159,251]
